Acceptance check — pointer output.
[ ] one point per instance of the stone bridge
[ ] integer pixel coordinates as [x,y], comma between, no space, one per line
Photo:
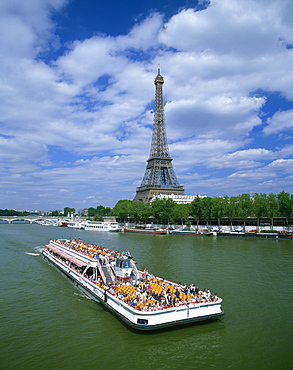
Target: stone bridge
[31,219]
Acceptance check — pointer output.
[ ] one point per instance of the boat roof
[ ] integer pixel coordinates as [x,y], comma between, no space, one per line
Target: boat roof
[68,256]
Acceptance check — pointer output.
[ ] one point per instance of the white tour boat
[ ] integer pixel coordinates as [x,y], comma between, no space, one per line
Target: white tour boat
[141,300]
[75,224]
[102,225]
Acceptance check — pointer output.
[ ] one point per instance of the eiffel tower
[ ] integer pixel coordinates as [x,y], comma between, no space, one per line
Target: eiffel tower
[159,177]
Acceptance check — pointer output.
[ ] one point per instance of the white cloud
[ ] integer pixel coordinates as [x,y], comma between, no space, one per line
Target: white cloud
[143,36]
[281,164]
[270,171]
[216,117]
[95,98]
[16,151]
[246,27]
[243,159]
[286,151]
[281,121]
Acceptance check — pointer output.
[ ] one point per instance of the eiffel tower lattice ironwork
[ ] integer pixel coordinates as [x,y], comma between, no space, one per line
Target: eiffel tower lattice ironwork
[159,177]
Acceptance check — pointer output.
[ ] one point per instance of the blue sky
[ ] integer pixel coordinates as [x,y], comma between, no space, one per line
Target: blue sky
[77,95]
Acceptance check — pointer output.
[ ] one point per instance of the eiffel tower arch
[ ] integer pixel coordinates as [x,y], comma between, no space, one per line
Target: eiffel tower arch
[159,177]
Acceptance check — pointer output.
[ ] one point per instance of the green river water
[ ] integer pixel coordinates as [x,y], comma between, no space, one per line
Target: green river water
[47,323]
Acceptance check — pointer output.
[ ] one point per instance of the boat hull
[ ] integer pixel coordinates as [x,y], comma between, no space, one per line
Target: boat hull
[140,320]
[183,232]
[104,229]
[101,226]
[256,235]
[145,231]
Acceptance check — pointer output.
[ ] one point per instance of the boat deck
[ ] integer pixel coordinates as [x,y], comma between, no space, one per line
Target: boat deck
[142,291]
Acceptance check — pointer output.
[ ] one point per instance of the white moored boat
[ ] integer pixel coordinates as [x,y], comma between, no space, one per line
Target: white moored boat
[102,225]
[142,300]
[75,224]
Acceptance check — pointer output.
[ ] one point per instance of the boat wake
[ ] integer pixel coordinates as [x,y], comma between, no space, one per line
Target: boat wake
[38,249]
[82,295]
[32,254]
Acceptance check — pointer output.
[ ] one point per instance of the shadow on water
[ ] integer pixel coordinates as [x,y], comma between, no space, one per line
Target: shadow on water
[180,327]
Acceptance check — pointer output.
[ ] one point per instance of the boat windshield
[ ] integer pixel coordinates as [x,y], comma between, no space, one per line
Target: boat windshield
[124,264]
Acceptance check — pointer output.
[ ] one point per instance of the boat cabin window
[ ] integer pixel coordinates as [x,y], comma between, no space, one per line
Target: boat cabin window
[142,321]
[124,264]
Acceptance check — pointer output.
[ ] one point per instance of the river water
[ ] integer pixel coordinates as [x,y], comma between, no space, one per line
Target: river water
[47,323]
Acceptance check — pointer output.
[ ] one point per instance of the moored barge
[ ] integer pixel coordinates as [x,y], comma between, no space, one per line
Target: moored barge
[157,231]
[140,299]
[263,235]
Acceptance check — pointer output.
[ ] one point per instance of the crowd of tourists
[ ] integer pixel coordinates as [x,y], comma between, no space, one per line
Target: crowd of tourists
[154,293]
[91,250]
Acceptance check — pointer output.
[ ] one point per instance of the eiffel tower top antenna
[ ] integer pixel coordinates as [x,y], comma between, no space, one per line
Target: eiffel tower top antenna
[159,146]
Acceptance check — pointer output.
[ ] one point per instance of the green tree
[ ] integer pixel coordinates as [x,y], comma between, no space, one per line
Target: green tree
[102,211]
[68,211]
[180,212]
[260,206]
[219,208]
[207,208]
[12,212]
[54,214]
[273,207]
[195,209]
[140,210]
[245,206]
[285,205]
[233,209]
[91,212]
[162,209]
[122,209]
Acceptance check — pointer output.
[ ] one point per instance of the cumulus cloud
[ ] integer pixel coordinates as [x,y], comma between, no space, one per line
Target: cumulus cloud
[246,28]
[215,117]
[280,122]
[271,172]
